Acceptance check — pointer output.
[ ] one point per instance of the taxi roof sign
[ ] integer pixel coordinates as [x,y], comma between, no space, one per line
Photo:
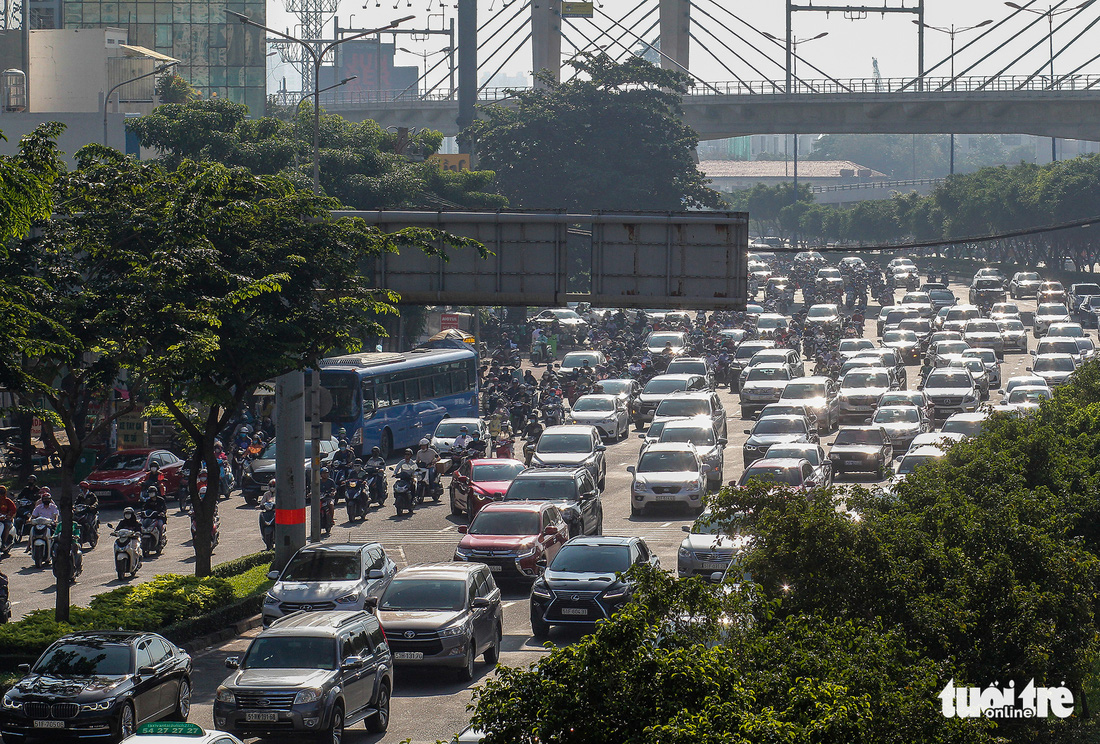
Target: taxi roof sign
[170,728]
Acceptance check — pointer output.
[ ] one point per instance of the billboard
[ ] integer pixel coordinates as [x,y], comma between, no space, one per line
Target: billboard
[630,259]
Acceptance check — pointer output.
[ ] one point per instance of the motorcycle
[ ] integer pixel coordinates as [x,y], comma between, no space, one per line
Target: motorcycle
[504,447]
[127,553]
[328,513]
[76,558]
[540,353]
[215,533]
[154,532]
[356,501]
[374,485]
[41,540]
[422,485]
[267,524]
[23,509]
[403,490]
[88,519]
[240,457]
[8,539]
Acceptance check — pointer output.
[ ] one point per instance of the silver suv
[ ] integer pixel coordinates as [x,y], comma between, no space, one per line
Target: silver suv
[328,577]
[572,446]
[310,674]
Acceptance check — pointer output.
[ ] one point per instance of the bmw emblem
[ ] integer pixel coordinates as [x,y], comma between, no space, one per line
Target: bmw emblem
[410,634]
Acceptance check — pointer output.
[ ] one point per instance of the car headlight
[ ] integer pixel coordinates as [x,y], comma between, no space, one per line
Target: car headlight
[348,598]
[540,591]
[686,554]
[456,630]
[270,599]
[308,695]
[640,485]
[462,554]
[101,705]
[225,695]
[134,479]
[530,551]
[617,592]
[693,483]
[9,704]
[750,448]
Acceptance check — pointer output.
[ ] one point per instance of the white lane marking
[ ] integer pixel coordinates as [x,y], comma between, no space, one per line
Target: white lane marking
[448,529]
[667,524]
[509,604]
[401,553]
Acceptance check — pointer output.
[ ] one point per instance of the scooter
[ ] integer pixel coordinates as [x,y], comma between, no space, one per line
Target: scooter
[23,509]
[7,541]
[420,490]
[403,490]
[267,525]
[88,519]
[504,447]
[76,559]
[374,485]
[328,513]
[154,534]
[127,553]
[356,501]
[41,540]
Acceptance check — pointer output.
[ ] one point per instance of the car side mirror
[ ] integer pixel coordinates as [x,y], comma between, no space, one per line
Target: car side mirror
[1027,369]
[273,575]
[375,573]
[481,603]
[351,662]
[716,577]
[370,603]
[686,528]
[24,668]
[866,420]
[601,447]
[630,469]
[641,436]
[463,529]
[550,530]
[748,431]
[233,662]
[146,671]
[723,441]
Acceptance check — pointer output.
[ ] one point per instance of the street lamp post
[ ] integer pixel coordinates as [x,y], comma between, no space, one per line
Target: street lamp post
[107,98]
[318,55]
[307,96]
[424,57]
[1050,13]
[951,31]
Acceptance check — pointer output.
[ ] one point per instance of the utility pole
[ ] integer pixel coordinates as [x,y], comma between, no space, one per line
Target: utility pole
[467,69]
[290,472]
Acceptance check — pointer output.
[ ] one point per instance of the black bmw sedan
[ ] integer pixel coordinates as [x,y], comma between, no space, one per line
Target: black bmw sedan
[98,686]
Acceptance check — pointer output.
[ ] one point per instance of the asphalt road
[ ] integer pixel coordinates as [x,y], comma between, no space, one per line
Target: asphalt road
[427,704]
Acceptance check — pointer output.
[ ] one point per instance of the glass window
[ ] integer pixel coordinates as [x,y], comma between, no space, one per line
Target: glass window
[88,658]
[163,38]
[144,657]
[368,398]
[144,13]
[459,382]
[181,12]
[290,652]
[159,650]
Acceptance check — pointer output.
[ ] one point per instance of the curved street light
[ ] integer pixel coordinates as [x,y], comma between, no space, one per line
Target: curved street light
[107,98]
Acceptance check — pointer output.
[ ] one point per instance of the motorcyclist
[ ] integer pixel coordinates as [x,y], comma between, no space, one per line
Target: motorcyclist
[268,495]
[407,465]
[427,457]
[154,479]
[327,485]
[344,455]
[86,497]
[31,490]
[7,511]
[462,441]
[46,508]
[378,462]
[129,520]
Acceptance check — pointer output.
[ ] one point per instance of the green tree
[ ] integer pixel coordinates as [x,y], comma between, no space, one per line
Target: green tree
[25,181]
[360,165]
[611,138]
[174,89]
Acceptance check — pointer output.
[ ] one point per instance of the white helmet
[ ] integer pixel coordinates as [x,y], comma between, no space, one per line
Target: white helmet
[424,442]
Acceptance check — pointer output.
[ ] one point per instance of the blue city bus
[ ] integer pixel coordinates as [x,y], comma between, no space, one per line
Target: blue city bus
[394,400]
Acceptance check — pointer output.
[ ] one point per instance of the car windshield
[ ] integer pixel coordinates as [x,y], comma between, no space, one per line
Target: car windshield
[558,444]
[898,415]
[1087,289]
[322,565]
[779,426]
[811,454]
[987,283]
[855,344]
[915,298]
[804,391]
[1069,331]
[592,559]
[951,347]
[942,295]
[966,427]
[613,387]
[1011,325]
[291,652]
[1052,308]
[123,461]
[771,321]
[563,314]
[541,489]
[425,595]
[982,326]
[448,429]
[859,378]
[962,313]
[661,387]
[746,352]
[700,436]
[594,404]
[578,358]
[909,463]
[1006,308]
[857,436]
[683,407]
[758,373]
[666,462]
[1028,396]
[658,340]
[818,312]
[772,474]
[686,367]
[948,379]
[488,522]
[496,471]
[1054,364]
[85,659]
[985,355]
[269,452]
[899,337]
[1027,276]
[901,398]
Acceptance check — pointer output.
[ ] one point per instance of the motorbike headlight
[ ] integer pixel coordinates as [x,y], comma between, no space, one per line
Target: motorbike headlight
[101,705]
[270,599]
[225,695]
[351,598]
[461,629]
[308,695]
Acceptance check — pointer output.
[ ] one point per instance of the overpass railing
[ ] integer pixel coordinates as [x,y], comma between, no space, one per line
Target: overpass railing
[876,185]
[841,86]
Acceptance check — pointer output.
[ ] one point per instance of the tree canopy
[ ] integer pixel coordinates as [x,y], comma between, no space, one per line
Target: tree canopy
[612,137]
[360,163]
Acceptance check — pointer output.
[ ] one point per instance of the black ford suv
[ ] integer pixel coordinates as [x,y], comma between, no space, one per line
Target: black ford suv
[311,673]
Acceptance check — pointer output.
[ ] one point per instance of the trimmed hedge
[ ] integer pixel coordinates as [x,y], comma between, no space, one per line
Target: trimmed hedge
[180,607]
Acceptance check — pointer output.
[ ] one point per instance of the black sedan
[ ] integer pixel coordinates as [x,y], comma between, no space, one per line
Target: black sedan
[98,686]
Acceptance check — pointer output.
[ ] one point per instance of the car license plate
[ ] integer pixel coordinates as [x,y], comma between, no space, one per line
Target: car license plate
[105,494]
[851,462]
[495,569]
[255,715]
[574,611]
[665,497]
[49,724]
[714,565]
[409,655]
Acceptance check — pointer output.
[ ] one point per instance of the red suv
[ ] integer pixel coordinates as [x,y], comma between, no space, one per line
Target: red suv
[120,476]
[514,539]
[479,482]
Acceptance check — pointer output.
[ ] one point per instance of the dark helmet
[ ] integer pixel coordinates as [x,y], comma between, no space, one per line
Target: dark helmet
[343,443]
[376,450]
[32,479]
[128,511]
[324,471]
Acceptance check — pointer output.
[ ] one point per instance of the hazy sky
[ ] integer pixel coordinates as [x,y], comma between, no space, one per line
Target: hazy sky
[846,52]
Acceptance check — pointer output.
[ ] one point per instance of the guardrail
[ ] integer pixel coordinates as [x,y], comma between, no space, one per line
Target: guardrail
[843,86]
[877,185]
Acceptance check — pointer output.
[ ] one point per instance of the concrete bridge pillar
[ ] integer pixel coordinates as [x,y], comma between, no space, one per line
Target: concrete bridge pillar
[675,21]
[546,38]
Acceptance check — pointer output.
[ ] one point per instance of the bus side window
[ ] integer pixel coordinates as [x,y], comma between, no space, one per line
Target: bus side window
[368,398]
[383,394]
[412,391]
[442,384]
[459,381]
